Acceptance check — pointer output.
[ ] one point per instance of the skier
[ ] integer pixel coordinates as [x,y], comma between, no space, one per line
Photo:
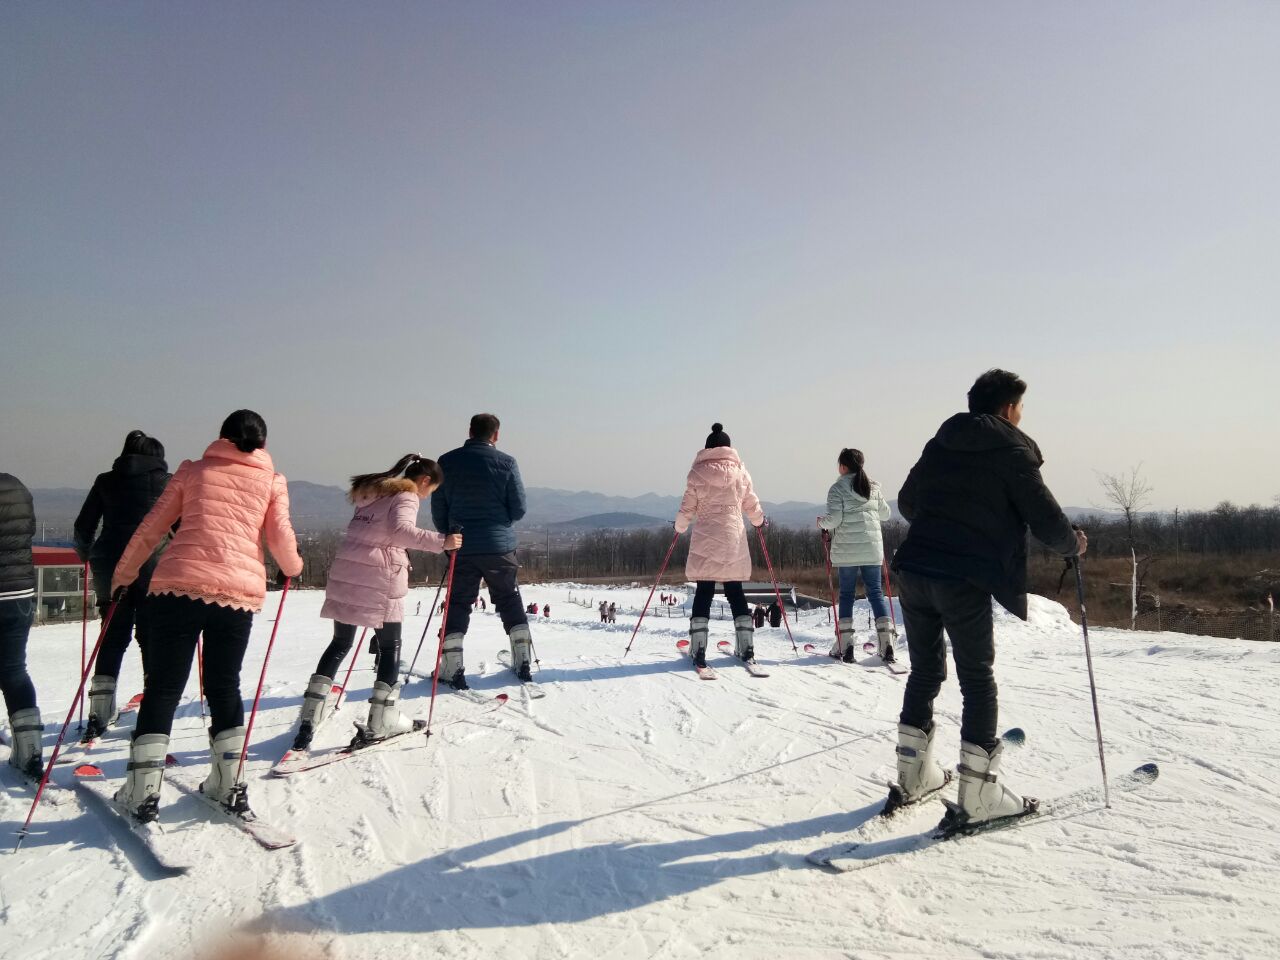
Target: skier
[482,493]
[367,585]
[757,616]
[613,613]
[604,611]
[970,499]
[17,610]
[855,510]
[775,615]
[546,610]
[119,499]
[717,494]
[210,580]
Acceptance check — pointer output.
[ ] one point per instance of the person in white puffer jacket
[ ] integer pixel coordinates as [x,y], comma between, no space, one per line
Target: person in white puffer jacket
[855,510]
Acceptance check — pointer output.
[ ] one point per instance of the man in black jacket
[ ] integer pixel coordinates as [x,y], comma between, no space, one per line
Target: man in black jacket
[970,500]
[17,610]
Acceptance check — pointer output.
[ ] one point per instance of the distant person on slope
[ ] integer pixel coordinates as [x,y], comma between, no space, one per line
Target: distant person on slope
[118,500]
[17,610]
[483,495]
[210,580]
[855,510]
[970,499]
[717,494]
[366,588]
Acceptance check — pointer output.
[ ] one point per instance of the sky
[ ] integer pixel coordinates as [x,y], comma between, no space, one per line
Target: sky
[612,224]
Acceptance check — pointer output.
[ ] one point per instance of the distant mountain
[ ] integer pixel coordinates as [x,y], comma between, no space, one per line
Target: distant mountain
[606,521]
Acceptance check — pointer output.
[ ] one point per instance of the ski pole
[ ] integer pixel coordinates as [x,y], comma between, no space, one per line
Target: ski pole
[200,669]
[831,588]
[350,666]
[1093,688]
[777,592]
[244,749]
[661,570]
[430,614]
[435,674]
[84,630]
[57,747]
[888,589]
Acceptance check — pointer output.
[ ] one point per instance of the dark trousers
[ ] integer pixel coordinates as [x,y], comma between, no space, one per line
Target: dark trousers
[176,624]
[928,607]
[499,571]
[387,639]
[15,627]
[732,592]
[132,618]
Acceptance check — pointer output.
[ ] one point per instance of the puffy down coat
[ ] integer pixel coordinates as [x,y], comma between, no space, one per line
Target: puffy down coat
[718,493]
[854,523]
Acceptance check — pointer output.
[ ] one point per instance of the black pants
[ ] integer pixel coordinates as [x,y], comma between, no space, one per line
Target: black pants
[15,627]
[499,571]
[732,592]
[132,618]
[928,607]
[387,638]
[176,624]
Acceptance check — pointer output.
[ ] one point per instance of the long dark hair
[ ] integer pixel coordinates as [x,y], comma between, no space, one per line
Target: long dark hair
[411,466]
[137,443]
[246,429]
[853,460]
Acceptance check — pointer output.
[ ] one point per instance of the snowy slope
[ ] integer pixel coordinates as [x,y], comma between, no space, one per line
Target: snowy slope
[639,812]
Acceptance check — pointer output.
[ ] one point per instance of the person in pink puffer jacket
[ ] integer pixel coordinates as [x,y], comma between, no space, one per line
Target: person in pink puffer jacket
[718,493]
[367,584]
[211,580]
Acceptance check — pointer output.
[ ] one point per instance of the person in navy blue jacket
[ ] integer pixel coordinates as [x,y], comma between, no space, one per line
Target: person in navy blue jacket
[483,495]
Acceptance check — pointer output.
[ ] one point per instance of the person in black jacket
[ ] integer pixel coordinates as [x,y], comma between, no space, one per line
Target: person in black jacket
[970,500]
[119,499]
[17,610]
[482,495]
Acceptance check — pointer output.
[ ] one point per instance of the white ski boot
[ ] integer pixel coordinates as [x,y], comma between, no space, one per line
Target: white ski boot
[521,651]
[842,649]
[24,753]
[140,794]
[884,639]
[102,706]
[224,762]
[982,798]
[317,704]
[744,635]
[451,662]
[918,773]
[385,718]
[698,630]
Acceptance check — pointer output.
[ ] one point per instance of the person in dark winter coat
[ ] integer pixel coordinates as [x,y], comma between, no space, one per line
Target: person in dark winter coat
[775,615]
[482,496]
[118,500]
[970,500]
[17,610]
[757,616]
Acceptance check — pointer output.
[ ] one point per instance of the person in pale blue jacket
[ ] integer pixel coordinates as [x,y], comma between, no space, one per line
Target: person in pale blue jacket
[855,510]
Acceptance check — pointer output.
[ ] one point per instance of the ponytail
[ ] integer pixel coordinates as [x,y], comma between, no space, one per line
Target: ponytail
[411,466]
[852,460]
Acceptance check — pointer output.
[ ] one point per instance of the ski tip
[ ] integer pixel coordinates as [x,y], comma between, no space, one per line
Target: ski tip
[502,698]
[171,761]
[723,644]
[88,771]
[681,644]
[809,648]
[869,647]
[1014,735]
[1147,772]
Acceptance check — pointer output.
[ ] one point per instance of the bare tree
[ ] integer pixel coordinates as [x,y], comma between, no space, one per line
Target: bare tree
[1130,493]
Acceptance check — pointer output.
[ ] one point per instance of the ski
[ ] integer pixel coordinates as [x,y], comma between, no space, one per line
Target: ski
[751,666]
[75,753]
[170,850]
[335,691]
[704,673]
[56,793]
[532,689]
[301,762]
[859,855]
[267,836]
[890,665]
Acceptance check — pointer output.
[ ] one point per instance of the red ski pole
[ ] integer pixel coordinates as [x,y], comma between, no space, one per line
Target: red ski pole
[57,747]
[435,674]
[888,589]
[831,588]
[776,592]
[244,749]
[661,570]
[350,666]
[84,631]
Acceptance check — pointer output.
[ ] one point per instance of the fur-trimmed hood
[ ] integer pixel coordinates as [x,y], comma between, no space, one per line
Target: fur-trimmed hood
[386,487]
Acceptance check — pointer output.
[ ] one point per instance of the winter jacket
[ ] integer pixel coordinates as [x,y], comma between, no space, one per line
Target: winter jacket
[226,500]
[854,522]
[718,493]
[970,499]
[482,493]
[119,499]
[370,574]
[17,528]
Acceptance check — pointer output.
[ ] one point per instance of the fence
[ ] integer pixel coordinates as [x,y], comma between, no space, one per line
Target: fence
[1244,624]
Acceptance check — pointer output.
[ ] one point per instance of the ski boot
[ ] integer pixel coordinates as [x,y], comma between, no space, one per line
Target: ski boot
[884,640]
[102,707]
[918,773]
[224,762]
[744,634]
[842,649]
[385,718]
[698,629]
[24,752]
[982,798]
[317,703]
[140,795]
[451,662]
[521,647]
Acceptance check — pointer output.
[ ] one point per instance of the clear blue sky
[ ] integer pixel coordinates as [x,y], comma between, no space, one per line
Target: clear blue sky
[613,223]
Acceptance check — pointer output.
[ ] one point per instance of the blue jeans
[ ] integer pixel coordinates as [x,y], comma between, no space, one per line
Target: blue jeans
[871,582]
[15,626]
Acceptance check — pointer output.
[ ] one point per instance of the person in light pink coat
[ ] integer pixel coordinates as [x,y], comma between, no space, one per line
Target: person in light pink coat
[210,580]
[718,493]
[367,584]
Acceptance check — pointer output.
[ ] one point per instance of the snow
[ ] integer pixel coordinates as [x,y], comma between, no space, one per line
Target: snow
[639,812]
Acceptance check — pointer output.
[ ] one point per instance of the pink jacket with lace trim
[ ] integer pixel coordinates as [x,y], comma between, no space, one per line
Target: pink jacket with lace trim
[719,492]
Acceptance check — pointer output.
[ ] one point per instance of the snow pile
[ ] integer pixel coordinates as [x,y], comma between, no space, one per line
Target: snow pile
[638,812]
